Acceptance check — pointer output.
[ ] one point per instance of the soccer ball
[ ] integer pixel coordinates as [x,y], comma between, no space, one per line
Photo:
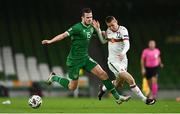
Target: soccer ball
[35,101]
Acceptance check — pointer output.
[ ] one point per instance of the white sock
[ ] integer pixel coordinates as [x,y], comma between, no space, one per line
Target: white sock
[104,88]
[138,92]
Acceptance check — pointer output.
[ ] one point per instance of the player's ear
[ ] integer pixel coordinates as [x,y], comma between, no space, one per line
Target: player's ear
[82,17]
[116,21]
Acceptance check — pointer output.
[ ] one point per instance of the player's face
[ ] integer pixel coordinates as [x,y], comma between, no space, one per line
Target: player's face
[87,18]
[113,25]
[152,44]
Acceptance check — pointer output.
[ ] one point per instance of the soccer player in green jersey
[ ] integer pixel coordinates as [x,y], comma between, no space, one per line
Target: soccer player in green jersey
[78,58]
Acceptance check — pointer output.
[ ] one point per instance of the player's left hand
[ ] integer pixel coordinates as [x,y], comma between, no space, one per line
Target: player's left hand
[121,56]
[96,24]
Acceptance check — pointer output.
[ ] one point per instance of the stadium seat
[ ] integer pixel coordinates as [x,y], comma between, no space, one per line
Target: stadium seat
[58,70]
[44,71]
[21,67]
[1,66]
[9,68]
[33,69]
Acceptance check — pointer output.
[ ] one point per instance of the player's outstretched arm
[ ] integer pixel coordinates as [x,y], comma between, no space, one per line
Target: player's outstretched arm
[56,38]
[101,34]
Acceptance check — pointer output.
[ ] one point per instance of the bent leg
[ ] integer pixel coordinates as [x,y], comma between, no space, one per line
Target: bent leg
[128,78]
[61,80]
[64,82]
[118,83]
[73,73]
[134,88]
[101,74]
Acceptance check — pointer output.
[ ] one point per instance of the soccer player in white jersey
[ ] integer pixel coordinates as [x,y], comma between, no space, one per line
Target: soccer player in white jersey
[118,45]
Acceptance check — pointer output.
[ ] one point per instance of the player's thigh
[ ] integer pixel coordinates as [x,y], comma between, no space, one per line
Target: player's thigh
[90,64]
[99,72]
[119,82]
[117,67]
[73,72]
[128,77]
[119,70]
[93,67]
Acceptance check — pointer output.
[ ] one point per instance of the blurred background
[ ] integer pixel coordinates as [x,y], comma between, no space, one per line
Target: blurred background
[25,64]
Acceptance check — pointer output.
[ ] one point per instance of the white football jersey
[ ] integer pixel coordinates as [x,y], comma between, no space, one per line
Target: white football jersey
[115,43]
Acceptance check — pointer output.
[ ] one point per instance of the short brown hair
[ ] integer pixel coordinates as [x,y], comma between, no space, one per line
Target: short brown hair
[85,10]
[109,19]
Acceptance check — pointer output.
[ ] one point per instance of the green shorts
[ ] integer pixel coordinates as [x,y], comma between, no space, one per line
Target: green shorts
[87,64]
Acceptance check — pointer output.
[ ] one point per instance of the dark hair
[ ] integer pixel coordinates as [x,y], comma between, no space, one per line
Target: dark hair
[85,10]
[109,19]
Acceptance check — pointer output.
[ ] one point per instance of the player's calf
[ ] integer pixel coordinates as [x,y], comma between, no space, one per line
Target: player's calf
[59,79]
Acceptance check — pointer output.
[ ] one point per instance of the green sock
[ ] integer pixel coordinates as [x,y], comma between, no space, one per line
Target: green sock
[110,87]
[62,81]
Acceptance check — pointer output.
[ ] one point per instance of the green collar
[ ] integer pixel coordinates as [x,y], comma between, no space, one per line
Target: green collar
[85,25]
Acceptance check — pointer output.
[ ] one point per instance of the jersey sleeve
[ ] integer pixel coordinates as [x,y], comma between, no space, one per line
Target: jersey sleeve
[73,30]
[124,33]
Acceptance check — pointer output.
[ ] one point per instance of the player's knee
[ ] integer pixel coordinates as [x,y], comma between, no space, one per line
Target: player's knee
[72,87]
[120,86]
[154,80]
[131,81]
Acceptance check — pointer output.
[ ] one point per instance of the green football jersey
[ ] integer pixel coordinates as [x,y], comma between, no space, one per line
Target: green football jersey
[80,36]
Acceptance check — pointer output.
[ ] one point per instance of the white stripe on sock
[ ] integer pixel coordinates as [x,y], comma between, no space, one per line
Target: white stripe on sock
[104,88]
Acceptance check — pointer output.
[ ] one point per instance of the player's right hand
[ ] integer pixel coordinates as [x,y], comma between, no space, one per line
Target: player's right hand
[143,71]
[45,42]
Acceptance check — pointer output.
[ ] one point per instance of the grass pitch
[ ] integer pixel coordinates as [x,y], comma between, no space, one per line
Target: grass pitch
[88,105]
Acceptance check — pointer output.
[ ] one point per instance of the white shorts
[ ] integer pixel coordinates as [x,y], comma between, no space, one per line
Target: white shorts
[118,66]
